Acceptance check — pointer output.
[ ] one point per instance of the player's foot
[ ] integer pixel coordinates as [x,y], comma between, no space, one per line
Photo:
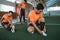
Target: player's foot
[12,30]
[32,32]
[44,34]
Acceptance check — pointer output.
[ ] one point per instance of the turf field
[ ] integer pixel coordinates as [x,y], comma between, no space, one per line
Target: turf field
[53,31]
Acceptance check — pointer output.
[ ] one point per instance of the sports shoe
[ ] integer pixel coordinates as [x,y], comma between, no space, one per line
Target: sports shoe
[44,34]
[13,29]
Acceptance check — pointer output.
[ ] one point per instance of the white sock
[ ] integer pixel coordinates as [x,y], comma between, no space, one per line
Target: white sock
[5,26]
[44,34]
[13,29]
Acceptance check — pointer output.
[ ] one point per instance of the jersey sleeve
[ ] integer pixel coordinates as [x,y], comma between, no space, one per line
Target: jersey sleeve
[31,16]
[4,16]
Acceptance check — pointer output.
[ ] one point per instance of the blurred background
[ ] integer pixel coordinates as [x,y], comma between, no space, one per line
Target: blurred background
[51,13]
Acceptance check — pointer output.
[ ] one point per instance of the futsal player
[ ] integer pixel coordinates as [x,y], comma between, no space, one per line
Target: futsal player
[37,21]
[22,11]
[6,21]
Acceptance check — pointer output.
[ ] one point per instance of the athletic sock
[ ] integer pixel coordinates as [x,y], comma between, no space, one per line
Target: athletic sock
[44,34]
[13,29]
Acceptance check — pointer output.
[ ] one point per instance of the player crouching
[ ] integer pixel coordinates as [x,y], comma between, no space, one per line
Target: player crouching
[6,21]
[37,21]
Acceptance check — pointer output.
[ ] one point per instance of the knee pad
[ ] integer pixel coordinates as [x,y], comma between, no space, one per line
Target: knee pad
[42,24]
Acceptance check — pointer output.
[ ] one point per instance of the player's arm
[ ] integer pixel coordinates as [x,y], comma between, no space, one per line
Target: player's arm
[1,19]
[5,19]
[9,21]
[31,17]
[36,27]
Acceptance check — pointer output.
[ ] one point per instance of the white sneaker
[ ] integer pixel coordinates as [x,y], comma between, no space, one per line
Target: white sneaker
[12,30]
[44,34]
[32,32]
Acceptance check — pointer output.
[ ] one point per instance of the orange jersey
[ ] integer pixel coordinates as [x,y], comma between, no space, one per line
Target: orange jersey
[23,4]
[33,16]
[6,16]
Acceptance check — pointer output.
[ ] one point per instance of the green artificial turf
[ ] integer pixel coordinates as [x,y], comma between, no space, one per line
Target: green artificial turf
[53,31]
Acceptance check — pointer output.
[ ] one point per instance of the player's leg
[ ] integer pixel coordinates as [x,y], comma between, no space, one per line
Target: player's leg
[42,24]
[30,29]
[43,27]
[20,18]
[24,18]
[8,27]
[12,28]
[5,24]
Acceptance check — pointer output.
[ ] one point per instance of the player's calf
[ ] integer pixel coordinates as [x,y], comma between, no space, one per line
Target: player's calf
[42,24]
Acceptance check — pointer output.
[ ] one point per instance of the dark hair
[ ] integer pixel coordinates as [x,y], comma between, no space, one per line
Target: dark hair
[33,8]
[25,0]
[39,6]
[10,12]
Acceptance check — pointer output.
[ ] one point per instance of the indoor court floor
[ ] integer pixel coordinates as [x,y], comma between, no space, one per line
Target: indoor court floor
[53,31]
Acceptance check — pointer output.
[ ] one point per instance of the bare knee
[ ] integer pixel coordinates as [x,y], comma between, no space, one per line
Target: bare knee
[30,29]
[42,19]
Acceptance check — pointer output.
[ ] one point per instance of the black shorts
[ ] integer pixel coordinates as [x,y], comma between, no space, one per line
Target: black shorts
[8,26]
[4,23]
[38,25]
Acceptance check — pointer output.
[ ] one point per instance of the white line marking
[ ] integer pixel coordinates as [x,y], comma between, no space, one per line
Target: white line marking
[52,24]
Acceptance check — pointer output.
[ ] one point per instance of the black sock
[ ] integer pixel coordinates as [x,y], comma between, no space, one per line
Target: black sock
[42,24]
